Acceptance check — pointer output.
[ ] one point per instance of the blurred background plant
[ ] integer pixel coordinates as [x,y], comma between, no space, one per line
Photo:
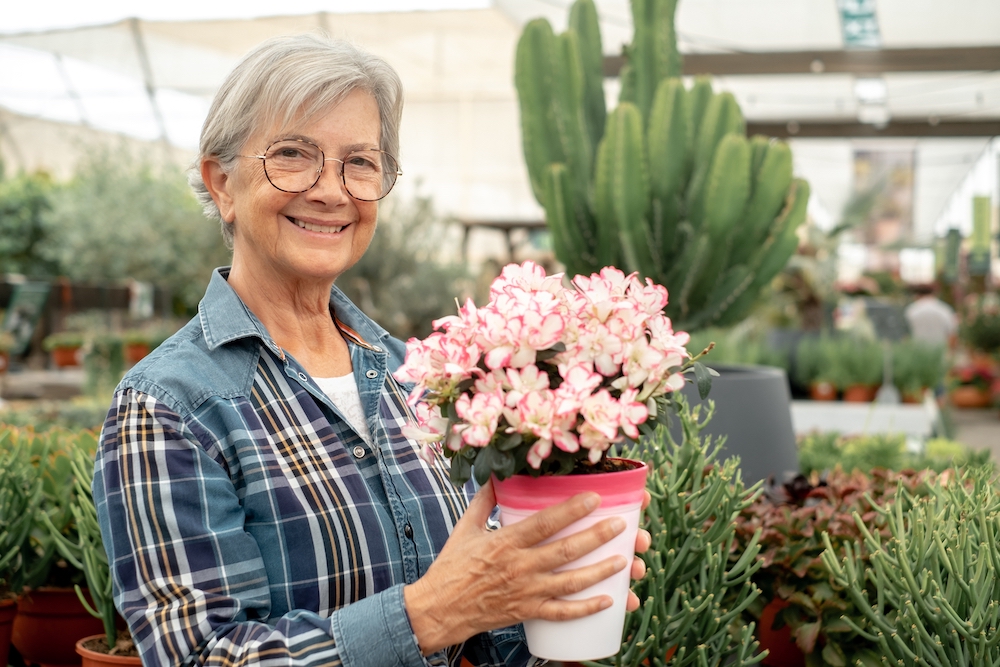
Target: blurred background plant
[980,323]
[404,281]
[822,452]
[25,199]
[122,217]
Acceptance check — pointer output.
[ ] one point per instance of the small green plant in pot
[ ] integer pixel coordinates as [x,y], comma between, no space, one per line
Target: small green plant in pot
[917,367]
[817,367]
[861,367]
[693,596]
[87,553]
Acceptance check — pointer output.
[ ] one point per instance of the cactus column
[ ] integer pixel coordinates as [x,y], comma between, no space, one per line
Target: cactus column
[668,184]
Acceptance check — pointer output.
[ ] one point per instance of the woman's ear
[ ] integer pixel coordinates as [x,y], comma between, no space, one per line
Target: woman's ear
[219,185]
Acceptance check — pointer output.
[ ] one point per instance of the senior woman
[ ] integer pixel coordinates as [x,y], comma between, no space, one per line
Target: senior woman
[258,500]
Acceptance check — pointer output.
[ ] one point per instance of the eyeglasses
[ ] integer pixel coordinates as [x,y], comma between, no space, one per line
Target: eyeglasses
[295,165]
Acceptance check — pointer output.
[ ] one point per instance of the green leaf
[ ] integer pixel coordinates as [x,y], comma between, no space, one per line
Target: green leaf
[834,655]
[489,461]
[461,470]
[510,442]
[806,636]
[703,378]
[836,625]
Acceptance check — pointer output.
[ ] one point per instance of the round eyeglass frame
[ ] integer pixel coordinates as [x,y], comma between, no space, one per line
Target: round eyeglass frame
[319,172]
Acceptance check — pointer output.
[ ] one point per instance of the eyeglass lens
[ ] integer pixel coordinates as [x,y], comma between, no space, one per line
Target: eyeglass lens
[295,166]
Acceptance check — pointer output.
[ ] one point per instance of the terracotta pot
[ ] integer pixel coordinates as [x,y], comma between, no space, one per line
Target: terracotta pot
[969,397]
[782,650]
[48,624]
[598,635]
[4,361]
[859,393]
[822,391]
[913,396]
[97,659]
[134,352]
[67,357]
[8,610]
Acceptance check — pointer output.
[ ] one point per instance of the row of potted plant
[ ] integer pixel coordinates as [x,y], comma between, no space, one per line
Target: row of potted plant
[69,348]
[55,579]
[852,368]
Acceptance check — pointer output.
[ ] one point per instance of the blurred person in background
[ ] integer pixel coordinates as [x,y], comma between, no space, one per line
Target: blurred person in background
[258,499]
[931,320]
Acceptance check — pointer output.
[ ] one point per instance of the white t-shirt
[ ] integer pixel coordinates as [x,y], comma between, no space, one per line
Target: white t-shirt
[343,391]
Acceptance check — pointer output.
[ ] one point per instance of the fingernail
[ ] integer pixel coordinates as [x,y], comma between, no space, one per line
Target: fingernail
[617,524]
[606,602]
[592,502]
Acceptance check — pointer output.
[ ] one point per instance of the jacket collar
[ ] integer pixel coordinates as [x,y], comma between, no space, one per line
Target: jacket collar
[225,318]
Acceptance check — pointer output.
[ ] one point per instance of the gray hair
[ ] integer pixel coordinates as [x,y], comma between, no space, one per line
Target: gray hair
[286,79]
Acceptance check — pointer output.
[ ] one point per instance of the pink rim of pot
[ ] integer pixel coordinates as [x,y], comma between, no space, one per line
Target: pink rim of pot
[525,492]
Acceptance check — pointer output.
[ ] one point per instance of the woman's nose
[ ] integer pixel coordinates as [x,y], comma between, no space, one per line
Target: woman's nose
[330,185]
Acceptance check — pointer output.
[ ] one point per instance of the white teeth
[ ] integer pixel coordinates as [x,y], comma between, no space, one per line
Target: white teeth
[323,229]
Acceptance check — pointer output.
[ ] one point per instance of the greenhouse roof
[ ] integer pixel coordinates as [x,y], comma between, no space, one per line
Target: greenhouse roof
[832,75]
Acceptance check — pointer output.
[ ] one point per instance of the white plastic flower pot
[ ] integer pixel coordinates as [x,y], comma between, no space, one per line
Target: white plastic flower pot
[599,635]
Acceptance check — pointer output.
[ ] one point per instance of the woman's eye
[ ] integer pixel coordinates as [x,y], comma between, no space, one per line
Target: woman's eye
[361,162]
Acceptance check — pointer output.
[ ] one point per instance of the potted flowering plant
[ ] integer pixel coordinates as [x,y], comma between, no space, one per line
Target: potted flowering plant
[534,388]
[971,383]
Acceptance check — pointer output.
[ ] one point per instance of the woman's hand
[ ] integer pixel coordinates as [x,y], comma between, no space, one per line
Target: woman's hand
[483,580]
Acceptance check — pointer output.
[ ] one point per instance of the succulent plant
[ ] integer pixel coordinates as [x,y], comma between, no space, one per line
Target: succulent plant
[668,184]
[693,597]
[84,549]
[20,497]
[929,592]
[797,521]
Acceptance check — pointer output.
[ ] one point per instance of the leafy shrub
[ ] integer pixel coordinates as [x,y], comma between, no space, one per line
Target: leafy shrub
[24,201]
[792,520]
[820,452]
[122,217]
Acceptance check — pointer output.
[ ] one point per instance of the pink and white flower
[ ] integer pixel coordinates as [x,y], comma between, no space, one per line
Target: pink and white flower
[573,369]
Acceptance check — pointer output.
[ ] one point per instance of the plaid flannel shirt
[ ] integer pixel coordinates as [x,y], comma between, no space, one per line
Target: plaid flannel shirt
[247,523]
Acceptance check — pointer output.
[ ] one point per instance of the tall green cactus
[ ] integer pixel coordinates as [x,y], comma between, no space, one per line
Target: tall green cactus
[667,184]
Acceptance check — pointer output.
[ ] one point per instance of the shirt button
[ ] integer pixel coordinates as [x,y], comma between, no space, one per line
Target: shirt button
[371,375]
[359,451]
[408,531]
[302,376]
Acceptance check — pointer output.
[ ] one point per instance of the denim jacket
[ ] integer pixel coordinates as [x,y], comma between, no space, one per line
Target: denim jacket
[247,522]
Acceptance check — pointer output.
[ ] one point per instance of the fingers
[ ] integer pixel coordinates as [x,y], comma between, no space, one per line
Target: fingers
[551,520]
[646,499]
[632,603]
[638,569]
[572,547]
[643,540]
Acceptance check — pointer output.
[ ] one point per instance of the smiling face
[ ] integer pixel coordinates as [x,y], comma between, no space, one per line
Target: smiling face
[312,236]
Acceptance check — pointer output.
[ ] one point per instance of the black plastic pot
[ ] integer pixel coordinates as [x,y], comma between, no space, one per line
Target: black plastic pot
[753,411]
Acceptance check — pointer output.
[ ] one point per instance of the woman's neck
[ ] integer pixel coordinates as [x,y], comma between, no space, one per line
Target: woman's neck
[297,315]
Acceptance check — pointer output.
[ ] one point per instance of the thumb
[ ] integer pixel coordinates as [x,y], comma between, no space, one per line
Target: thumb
[479,509]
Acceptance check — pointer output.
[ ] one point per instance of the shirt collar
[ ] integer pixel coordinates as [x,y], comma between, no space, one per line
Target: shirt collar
[225,318]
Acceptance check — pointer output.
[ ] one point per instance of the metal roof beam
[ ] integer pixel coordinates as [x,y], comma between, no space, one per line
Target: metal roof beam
[860,61]
[898,127]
